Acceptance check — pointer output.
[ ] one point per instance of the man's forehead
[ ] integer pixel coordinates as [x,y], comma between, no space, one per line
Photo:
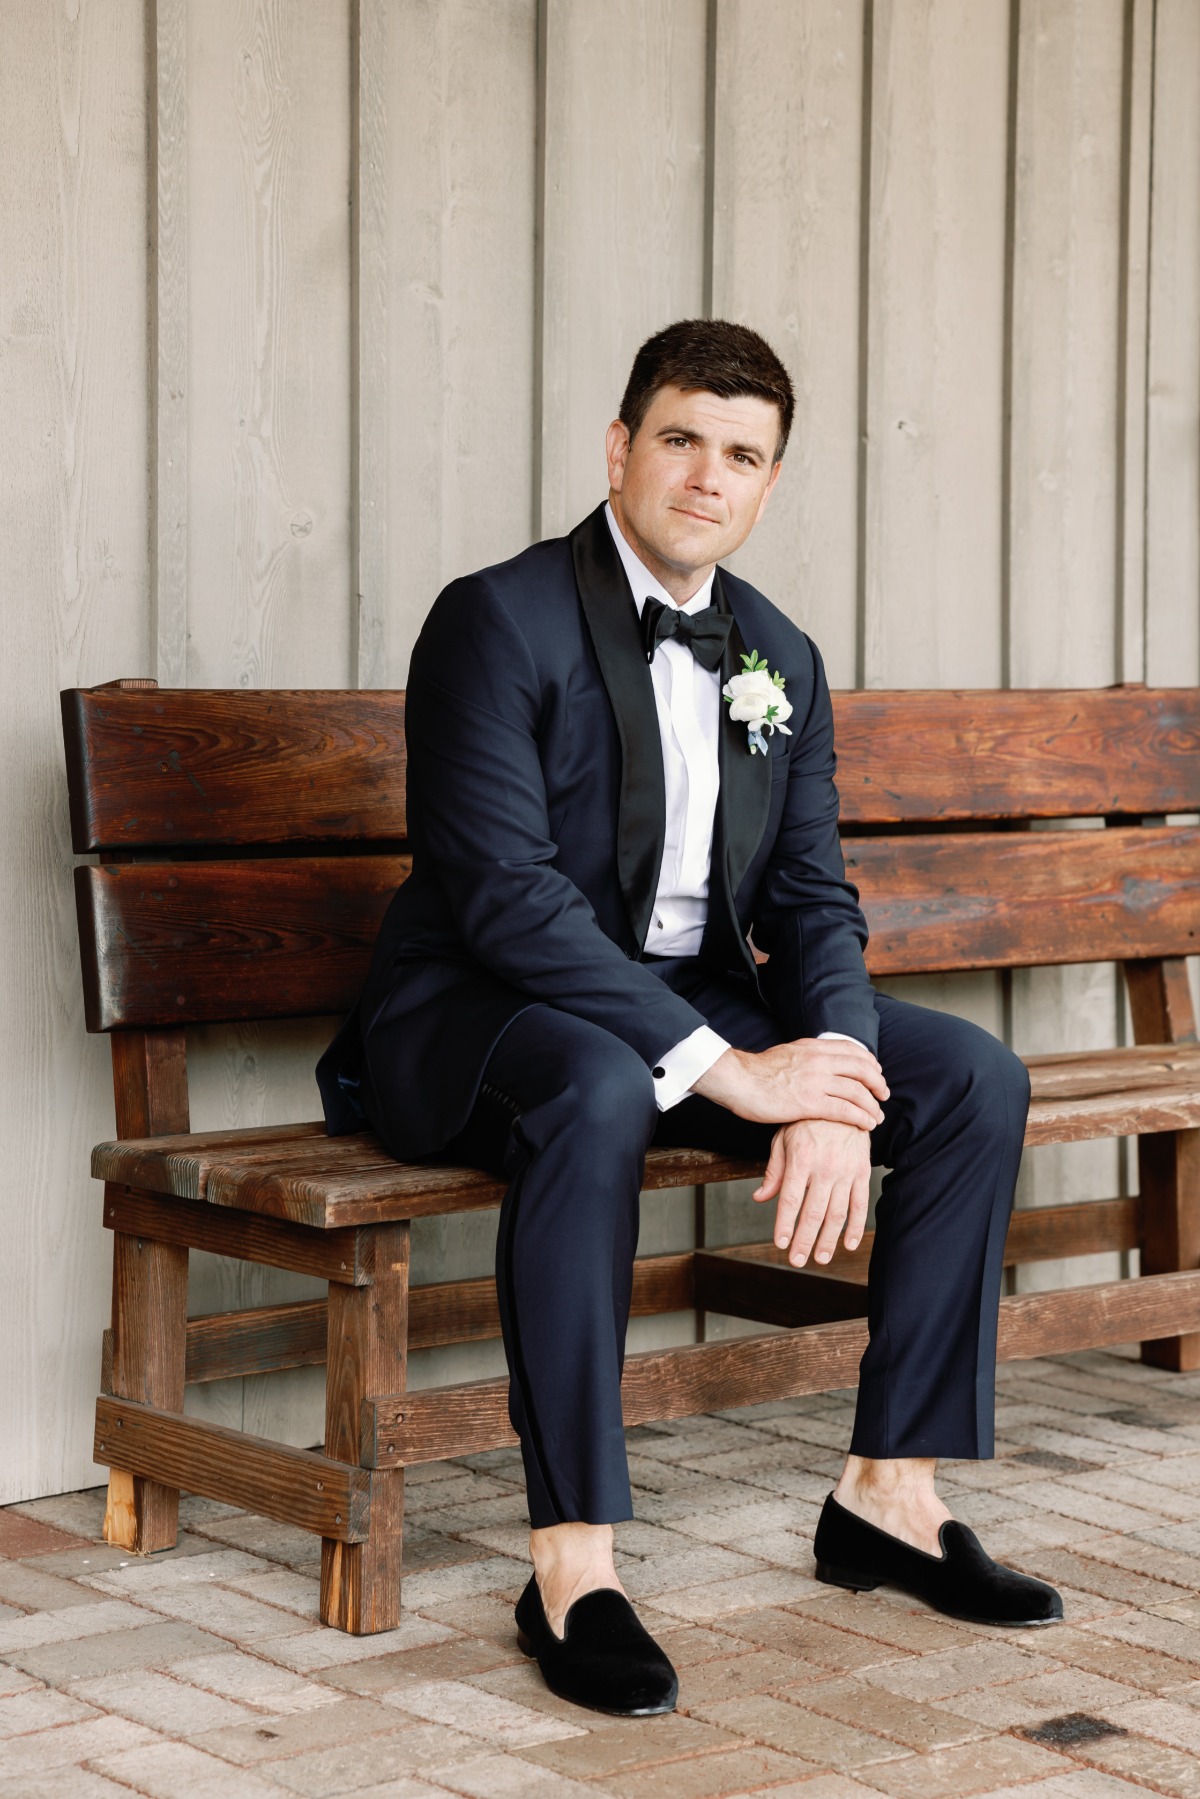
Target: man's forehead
[697,405]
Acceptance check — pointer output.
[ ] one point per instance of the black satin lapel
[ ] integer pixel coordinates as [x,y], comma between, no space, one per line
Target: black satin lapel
[744,797]
[612,620]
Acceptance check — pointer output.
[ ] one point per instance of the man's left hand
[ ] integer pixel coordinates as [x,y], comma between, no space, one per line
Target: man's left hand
[821,1173]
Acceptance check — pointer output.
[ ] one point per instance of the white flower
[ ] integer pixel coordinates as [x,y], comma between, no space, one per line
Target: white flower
[756,699]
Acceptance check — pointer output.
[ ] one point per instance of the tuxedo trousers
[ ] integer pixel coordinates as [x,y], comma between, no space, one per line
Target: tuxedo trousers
[567,1112]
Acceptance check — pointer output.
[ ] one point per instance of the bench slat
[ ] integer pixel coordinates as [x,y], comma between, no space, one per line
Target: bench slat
[1027,900]
[712,1377]
[165,767]
[166,944]
[1084,753]
[175,766]
[348,1181]
[261,1339]
[295,1486]
[325,1182]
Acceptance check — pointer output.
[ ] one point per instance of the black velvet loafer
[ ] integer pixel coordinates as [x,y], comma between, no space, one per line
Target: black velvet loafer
[963,1581]
[604,1659]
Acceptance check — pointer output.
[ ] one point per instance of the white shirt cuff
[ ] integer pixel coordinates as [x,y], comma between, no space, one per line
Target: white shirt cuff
[842,1038]
[675,1072]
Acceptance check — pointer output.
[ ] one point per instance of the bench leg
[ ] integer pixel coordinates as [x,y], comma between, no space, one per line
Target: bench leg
[1160,999]
[1169,1177]
[367,1359]
[149,1341]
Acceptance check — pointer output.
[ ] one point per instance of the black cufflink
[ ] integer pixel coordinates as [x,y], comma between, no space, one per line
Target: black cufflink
[658,1073]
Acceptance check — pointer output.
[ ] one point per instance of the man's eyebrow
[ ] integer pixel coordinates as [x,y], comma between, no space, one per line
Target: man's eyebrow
[699,437]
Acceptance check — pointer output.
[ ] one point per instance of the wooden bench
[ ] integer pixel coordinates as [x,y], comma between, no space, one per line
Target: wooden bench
[247,844]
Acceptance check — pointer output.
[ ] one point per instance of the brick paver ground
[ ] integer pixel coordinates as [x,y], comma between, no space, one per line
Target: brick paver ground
[205,1672]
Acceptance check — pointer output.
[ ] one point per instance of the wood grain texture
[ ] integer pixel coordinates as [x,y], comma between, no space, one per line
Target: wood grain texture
[224,1345]
[171,767]
[296,1486]
[1035,1234]
[1172,619]
[419,1427]
[166,768]
[935,343]
[621,228]
[343,1181]
[337,1254]
[1027,753]
[1137,127]
[269,568]
[169,397]
[1027,899]
[149,1287]
[1160,1001]
[786,180]
[1066,435]
[186,943]
[268,250]
[367,1356]
[298,1173]
[149,1310]
[73,542]
[446,180]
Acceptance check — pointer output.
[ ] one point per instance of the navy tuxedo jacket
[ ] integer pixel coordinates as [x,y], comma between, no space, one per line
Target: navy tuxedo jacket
[537,820]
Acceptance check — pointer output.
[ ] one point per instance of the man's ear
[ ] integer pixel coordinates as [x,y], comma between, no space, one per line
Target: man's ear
[768,490]
[617,443]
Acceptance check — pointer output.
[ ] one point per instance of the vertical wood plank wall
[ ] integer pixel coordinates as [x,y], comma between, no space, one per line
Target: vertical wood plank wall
[307,305]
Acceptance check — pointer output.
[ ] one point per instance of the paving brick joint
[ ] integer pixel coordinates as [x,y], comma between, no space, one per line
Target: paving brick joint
[205,1671]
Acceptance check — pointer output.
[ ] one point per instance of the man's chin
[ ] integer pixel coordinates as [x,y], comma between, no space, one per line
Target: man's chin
[693,544]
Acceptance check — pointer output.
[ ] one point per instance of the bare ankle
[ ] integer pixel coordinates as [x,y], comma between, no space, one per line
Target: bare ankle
[897,1496]
[570,1560]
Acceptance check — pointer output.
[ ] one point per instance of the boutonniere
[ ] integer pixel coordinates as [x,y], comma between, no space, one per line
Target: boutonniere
[755,699]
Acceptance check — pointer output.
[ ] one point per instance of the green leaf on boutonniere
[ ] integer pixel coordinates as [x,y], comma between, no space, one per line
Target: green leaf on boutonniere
[754,662]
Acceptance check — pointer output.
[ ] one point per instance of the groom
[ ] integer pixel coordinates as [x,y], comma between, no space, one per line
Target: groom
[601,808]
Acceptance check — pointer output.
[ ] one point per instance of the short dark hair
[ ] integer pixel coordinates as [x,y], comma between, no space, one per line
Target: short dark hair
[715,356]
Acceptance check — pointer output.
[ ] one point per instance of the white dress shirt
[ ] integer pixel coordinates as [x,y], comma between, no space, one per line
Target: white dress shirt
[688,699]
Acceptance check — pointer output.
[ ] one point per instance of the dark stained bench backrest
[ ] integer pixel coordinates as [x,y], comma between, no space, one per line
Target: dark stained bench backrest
[249,841]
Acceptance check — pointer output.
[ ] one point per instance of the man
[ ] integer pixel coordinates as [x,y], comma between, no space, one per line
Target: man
[620,762]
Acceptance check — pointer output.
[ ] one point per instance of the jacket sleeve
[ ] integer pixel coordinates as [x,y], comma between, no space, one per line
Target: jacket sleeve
[807,918]
[478,812]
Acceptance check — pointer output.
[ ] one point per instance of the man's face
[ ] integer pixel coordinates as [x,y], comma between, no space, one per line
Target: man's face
[693,483]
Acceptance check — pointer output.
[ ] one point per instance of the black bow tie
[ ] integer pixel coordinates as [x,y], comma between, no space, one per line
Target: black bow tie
[705,633]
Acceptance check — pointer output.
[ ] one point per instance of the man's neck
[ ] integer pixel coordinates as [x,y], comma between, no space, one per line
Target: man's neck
[682,584]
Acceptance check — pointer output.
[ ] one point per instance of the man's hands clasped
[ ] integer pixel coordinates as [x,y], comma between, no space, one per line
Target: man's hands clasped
[826,1096]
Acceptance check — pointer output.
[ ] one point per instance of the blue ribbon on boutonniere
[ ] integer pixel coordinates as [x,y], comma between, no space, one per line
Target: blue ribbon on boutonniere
[756,699]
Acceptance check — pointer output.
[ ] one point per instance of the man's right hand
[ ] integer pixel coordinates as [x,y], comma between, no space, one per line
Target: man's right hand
[815,1077]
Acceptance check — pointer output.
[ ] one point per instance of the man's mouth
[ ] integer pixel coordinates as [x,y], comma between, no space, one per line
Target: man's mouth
[704,517]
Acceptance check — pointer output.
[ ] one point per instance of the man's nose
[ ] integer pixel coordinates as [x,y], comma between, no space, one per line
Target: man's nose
[705,474]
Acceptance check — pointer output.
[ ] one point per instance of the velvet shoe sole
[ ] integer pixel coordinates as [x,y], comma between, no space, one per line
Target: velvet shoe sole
[964,1581]
[605,1660]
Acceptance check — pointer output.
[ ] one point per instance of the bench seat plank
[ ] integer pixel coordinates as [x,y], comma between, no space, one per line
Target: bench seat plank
[298,1173]
[349,1180]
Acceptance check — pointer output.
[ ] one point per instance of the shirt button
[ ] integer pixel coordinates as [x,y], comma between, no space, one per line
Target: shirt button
[658,1073]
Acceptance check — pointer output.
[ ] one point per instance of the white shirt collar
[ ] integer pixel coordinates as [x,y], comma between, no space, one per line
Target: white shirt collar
[645,586]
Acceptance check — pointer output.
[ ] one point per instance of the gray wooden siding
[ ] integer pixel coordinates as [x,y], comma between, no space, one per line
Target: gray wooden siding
[307,305]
